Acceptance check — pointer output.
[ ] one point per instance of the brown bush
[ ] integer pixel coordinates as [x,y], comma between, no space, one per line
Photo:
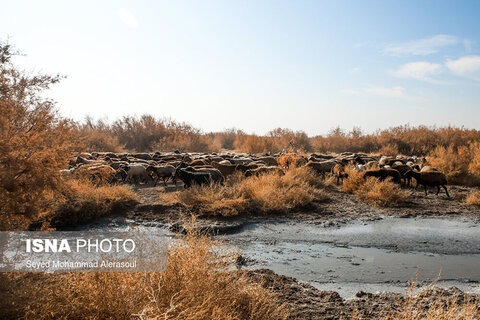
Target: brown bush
[97,136]
[290,159]
[419,305]
[252,144]
[353,182]
[197,284]
[85,201]
[475,163]
[147,133]
[379,193]
[298,189]
[34,141]
[473,199]
[458,163]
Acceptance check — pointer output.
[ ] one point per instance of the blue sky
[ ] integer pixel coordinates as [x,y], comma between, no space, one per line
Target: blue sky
[257,65]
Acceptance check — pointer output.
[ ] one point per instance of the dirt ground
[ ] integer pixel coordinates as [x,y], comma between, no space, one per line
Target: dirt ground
[303,300]
[341,207]
[306,302]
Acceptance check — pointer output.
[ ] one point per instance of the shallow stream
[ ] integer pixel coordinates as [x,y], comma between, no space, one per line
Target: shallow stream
[369,255]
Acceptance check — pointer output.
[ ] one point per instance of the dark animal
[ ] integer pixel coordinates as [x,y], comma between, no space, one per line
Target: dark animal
[430,179]
[245,167]
[339,172]
[383,174]
[215,174]
[191,178]
[262,170]
[161,172]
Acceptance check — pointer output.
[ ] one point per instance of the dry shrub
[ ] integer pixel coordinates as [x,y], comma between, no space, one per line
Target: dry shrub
[475,164]
[286,139]
[290,159]
[373,191]
[34,140]
[353,182]
[451,161]
[381,193]
[298,189]
[389,150]
[473,199]
[252,144]
[421,306]
[456,163]
[197,284]
[97,136]
[85,201]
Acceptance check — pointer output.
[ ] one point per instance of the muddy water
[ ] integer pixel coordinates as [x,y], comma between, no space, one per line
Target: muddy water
[376,255]
[381,255]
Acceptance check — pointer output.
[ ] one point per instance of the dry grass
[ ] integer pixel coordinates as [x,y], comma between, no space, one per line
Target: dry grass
[197,284]
[379,193]
[459,164]
[419,306]
[290,159]
[298,189]
[473,199]
[84,202]
[431,303]
[353,182]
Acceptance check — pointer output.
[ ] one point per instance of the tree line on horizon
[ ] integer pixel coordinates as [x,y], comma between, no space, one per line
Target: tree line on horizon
[149,134]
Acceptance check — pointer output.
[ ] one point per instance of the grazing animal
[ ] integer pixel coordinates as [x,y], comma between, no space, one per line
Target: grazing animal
[269,161]
[429,179]
[358,160]
[339,172]
[360,168]
[136,173]
[143,156]
[403,169]
[429,168]
[321,167]
[215,174]
[383,174]
[262,170]
[240,160]
[198,162]
[225,169]
[163,172]
[191,178]
[245,167]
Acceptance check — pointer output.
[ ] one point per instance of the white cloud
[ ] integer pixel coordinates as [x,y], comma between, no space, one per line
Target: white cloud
[395,92]
[419,70]
[128,18]
[467,66]
[422,46]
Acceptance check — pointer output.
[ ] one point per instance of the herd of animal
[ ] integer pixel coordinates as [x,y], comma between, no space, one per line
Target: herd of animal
[204,169]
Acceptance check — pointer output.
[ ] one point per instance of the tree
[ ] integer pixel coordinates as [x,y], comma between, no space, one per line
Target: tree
[34,141]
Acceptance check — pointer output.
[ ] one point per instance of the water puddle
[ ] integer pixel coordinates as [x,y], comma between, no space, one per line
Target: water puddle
[374,256]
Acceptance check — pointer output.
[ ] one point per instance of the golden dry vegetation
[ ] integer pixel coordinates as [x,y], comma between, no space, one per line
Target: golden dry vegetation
[417,306]
[198,284]
[85,202]
[35,143]
[473,198]
[380,193]
[297,189]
